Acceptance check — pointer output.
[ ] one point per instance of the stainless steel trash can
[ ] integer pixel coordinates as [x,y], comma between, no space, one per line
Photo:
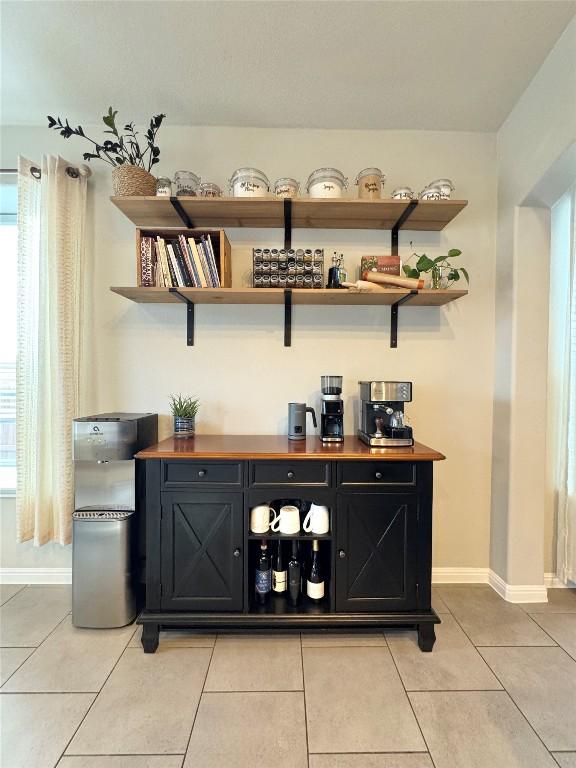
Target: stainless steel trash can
[103,577]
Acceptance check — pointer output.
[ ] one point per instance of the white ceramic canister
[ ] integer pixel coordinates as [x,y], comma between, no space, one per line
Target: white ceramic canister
[286,187]
[249,182]
[370,182]
[445,186]
[326,182]
[402,193]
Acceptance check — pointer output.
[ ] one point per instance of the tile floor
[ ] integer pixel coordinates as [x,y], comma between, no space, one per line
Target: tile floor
[498,691]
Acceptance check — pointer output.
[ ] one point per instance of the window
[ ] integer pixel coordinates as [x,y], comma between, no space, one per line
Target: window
[8,261]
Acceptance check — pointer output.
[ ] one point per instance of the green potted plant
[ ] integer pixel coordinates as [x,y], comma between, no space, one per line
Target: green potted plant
[184,410]
[130,161]
[443,274]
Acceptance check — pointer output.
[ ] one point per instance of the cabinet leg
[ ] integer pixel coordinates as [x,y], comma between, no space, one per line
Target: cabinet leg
[150,637]
[426,636]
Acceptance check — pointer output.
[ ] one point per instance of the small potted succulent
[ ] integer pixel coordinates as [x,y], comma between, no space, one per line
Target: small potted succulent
[184,410]
[131,162]
[443,274]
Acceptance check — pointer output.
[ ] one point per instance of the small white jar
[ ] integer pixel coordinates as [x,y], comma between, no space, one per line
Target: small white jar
[402,193]
[326,182]
[445,186]
[209,189]
[370,182]
[286,187]
[249,182]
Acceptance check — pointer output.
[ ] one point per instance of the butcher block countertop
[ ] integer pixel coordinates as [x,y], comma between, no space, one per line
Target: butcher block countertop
[279,447]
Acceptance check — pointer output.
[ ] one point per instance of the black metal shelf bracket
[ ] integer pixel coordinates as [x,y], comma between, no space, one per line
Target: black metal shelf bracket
[406,213]
[394,317]
[287,223]
[184,218]
[189,316]
[287,317]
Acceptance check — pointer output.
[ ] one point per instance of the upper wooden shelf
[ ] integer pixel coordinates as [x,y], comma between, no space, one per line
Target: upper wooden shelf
[342,213]
[316,296]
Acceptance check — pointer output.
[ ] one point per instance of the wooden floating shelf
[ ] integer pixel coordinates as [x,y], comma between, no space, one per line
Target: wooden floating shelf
[314,296]
[341,213]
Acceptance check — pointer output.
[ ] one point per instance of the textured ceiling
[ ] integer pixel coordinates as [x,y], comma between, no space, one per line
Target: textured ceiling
[436,65]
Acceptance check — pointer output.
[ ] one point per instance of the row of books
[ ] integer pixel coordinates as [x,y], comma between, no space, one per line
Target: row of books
[180,262]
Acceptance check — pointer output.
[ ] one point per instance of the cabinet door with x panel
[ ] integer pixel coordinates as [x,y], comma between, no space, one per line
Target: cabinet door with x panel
[201,551]
[376,552]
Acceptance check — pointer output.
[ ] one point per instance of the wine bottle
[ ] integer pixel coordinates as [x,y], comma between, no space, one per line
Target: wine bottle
[279,574]
[315,580]
[263,575]
[294,575]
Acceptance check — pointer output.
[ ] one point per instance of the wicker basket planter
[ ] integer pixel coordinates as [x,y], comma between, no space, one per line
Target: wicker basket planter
[130,180]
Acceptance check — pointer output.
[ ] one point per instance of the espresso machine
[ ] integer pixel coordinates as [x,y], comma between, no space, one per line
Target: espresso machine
[332,411]
[382,413]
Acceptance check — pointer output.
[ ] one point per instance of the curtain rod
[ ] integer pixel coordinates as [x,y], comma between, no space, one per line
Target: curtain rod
[8,170]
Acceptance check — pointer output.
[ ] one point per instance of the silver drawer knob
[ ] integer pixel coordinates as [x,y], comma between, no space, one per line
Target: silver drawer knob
[290,475]
[201,473]
[237,552]
[341,554]
[378,475]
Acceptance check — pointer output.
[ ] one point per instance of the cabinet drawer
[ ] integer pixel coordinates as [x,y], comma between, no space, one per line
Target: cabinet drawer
[289,473]
[376,473]
[177,474]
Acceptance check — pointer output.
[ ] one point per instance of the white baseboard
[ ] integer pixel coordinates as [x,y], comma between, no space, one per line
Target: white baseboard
[512,593]
[518,593]
[35,575]
[460,575]
[551,580]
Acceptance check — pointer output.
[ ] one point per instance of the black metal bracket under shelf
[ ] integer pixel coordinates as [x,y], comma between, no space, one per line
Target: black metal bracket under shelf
[406,213]
[189,315]
[184,218]
[287,317]
[394,317]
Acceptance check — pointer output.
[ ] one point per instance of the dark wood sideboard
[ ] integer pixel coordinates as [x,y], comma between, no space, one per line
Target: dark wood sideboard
[196,496]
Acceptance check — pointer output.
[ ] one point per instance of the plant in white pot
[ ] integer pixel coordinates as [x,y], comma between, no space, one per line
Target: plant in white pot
[184,410]
[131,162]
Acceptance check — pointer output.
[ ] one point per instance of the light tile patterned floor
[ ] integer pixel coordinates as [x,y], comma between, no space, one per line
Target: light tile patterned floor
[498,691]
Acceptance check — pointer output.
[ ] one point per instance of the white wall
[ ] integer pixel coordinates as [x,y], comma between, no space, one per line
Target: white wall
[537,132]
[239,367]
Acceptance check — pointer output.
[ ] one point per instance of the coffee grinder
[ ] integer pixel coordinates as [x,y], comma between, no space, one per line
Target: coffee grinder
[382,413]
[332,413]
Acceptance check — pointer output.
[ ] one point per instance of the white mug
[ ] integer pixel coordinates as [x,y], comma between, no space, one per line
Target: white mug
[260,518]
[317,520]
[287,520]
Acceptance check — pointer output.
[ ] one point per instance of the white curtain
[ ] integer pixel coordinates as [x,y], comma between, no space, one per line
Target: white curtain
[51,253]
[566,478]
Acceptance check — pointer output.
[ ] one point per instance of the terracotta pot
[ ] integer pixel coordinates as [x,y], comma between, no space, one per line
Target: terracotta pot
[131,180]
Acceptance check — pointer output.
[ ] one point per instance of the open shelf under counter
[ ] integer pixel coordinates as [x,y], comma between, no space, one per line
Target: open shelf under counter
[314,296]
[279,606]
[314,213]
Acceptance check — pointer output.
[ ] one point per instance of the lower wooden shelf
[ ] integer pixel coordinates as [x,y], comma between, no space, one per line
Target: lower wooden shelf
[313,296]
[288,298]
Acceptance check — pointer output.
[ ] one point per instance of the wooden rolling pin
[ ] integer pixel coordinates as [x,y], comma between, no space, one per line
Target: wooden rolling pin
[363,286]
[383,279]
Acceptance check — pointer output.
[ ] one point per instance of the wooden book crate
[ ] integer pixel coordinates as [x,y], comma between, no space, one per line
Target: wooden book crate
[220,243]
